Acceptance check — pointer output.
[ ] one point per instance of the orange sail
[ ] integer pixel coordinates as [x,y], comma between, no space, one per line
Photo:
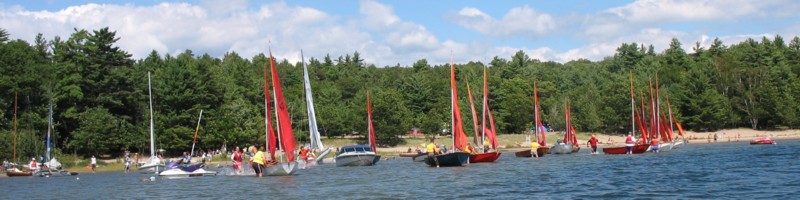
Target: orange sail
[284,122]
[474,116]
[459,137]
[370,127]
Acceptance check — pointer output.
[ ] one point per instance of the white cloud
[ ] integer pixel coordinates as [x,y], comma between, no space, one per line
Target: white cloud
[647,11]
[518,21]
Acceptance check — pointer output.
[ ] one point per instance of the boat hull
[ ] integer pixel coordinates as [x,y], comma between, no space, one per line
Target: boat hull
[322,155]
[52,173]
[527,153]
[455,159]
[484,157]
[562,149]
[762,142]
[281,169]
[420,158]
[623,150]
[18,173]
[178,173]
[367,159]
[151,168]
[411,155]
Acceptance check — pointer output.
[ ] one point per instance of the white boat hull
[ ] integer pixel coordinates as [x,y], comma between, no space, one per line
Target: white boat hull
[178,173]
[361,159]
[561,149]
[322,155]
[151,168]
[281,169]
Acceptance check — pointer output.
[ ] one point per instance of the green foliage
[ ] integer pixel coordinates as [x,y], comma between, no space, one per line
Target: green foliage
[100,95]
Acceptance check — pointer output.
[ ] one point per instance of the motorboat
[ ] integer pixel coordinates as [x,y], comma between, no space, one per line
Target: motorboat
[356,155]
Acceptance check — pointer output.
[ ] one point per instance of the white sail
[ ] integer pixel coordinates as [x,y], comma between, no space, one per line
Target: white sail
[153,165]
[316,143]
[152,137]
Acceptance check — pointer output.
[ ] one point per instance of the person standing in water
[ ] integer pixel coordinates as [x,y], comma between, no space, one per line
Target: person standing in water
[534,149]
[94,164]
[237,160]
[431,149]
[593,143]
[258,160]
[654,145]
[629,141]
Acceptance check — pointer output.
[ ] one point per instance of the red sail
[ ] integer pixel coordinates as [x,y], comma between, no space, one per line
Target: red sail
[680,129]
[474,116]
[492,135]
[270,134]
[284,122]
[459,137]
[370,127]
[641,125]
[642,122]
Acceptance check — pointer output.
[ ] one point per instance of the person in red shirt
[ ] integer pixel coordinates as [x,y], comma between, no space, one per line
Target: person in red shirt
[237,160]
[593,143]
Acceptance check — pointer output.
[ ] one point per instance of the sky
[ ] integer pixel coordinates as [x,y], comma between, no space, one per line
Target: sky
[388,33]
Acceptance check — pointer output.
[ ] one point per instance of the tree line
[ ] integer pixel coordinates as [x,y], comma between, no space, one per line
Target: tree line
[99,93]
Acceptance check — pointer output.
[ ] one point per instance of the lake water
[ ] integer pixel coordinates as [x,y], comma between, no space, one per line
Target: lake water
[723,170]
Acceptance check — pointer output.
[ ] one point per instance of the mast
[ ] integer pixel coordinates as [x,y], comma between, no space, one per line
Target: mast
[658,109]
[484,108]
[633,109]
[15,127]
[452,100]
[49,129]
[150,95]
[313,131]
[196,130]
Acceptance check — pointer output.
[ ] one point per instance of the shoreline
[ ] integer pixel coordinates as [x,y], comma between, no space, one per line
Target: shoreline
[509,143]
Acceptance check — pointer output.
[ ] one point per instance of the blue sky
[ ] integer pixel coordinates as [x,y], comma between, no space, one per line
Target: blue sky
[392,32]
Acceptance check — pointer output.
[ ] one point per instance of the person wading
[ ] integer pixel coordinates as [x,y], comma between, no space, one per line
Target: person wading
[432,149]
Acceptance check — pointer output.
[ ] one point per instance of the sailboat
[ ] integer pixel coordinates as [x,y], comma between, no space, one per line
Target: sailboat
[52,167]
[313,131]
[539,132]
[285,134]
[486,155]
[360,155]
[154,164]
[455,157]
[638,148]
[570,141]
[14,171]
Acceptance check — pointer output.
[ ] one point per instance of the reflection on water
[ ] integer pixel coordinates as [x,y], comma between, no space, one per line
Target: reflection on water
[732,170]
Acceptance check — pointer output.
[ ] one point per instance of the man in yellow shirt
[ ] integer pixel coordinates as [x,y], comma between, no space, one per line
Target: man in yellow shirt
[258,161]
[431,148]
[534,147]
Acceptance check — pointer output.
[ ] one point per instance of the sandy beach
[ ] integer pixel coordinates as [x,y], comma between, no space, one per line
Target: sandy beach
[514,141]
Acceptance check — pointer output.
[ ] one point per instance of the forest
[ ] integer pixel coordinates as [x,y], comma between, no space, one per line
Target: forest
[99,93]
